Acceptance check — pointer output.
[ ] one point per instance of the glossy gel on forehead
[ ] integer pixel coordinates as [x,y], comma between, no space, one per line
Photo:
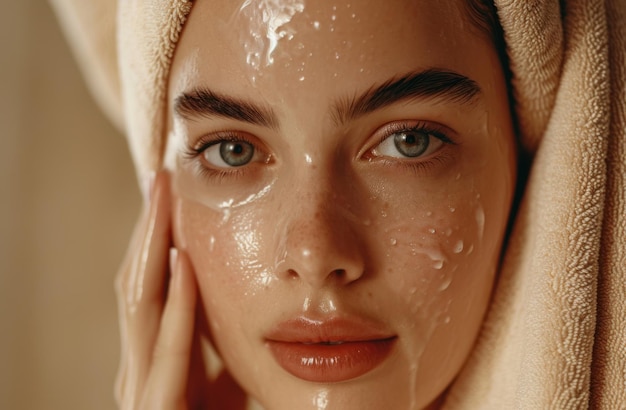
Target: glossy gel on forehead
[268,23]
[267,26]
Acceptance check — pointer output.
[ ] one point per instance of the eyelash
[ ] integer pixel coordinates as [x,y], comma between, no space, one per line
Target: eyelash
[194,153]
[417,165]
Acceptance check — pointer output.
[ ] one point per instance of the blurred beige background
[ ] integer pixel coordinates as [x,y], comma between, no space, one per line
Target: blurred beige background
[68,201]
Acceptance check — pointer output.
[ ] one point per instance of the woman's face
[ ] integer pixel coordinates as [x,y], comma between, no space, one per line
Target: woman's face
[342,173]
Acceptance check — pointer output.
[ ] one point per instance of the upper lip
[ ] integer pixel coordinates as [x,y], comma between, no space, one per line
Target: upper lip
[328,330]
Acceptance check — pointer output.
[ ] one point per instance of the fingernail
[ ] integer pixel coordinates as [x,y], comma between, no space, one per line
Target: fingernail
[173,260]
[147,185]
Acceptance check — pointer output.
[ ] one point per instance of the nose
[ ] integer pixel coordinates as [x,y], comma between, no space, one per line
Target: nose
[319,244]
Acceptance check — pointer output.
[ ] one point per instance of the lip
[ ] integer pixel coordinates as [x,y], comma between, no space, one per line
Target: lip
[329,350]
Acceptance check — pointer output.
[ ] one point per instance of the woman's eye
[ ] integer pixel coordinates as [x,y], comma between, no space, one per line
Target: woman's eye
[408,144]
[227,154]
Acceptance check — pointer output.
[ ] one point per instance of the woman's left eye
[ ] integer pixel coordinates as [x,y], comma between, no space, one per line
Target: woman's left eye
[228,154]
[408,143]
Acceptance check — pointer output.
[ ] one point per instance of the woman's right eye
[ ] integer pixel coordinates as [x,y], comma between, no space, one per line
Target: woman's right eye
[231,154]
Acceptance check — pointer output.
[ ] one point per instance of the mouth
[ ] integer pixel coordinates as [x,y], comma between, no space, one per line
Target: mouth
[329,351]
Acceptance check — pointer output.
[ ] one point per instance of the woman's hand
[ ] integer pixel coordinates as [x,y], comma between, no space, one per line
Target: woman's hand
[156,312]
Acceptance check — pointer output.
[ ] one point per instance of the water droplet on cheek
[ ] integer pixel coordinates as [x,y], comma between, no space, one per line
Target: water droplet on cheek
[458,246]
[445,284]
[436,255]
[480,221]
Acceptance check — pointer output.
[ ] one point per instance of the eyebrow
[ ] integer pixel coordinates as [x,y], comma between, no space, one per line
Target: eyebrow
[446,85]
[202,102]
[432,83]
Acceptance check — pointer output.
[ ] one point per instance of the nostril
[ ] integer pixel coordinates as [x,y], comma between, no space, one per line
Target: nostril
[292,274]
[339,274]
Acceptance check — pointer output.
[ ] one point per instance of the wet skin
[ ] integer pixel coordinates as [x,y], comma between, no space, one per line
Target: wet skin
[363,170]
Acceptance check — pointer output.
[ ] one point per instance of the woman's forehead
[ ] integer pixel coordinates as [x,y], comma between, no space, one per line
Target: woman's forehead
[266,44]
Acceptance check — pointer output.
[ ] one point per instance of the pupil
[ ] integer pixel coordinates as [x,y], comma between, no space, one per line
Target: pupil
[236,153]
[411,144]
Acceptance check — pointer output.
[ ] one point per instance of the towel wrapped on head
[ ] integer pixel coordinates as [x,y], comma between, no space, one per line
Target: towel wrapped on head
[554,336]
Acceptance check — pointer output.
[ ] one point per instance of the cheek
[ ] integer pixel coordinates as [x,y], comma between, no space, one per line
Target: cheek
[439,257]
[226,253]
[441,241]
[429,257]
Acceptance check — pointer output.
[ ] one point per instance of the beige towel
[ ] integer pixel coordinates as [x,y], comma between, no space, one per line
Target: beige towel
[555,335]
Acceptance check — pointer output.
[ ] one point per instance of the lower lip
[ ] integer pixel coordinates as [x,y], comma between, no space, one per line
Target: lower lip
[323,363]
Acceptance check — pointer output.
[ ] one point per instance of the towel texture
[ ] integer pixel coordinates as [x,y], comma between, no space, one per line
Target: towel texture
[125,49]
[555,334]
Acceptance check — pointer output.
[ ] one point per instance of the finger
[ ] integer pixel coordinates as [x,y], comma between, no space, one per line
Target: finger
[149,263]
[167,381]
[141,293]
[136,238]
[121,285]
